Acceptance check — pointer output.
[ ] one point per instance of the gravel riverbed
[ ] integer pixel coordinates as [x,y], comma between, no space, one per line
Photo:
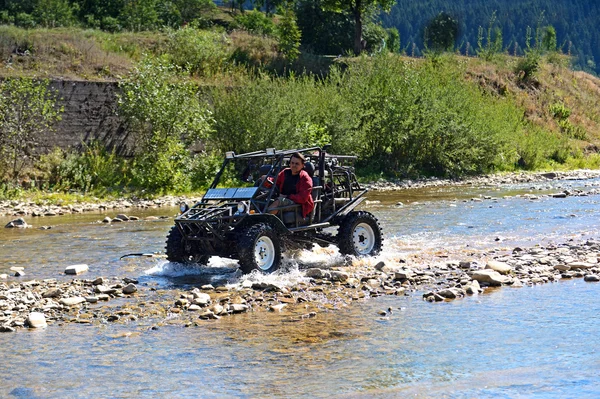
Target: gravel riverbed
[27,302]
[436,277]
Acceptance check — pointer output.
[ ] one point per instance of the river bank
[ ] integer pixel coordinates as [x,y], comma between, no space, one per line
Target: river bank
[437,277]
[23,208]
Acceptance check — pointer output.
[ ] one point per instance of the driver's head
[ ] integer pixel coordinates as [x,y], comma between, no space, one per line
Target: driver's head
[296,163]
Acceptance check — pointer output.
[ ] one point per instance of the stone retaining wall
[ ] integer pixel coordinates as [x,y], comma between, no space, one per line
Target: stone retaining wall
[89,114]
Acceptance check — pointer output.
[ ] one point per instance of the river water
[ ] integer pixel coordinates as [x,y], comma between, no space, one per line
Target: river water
[536,341]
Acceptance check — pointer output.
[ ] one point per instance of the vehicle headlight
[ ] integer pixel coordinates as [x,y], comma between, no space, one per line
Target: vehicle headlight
[183,207]
[241,207]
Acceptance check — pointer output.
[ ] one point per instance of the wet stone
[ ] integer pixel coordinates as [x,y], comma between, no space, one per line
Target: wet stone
[36,320]
[591,278]
[76,269]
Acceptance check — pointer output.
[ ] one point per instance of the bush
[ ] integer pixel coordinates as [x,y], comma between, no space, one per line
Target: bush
[95,169]
[197,51]
[25,20]
[256,22]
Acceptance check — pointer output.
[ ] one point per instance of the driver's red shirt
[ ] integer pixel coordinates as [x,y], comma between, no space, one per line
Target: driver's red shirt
[303,191]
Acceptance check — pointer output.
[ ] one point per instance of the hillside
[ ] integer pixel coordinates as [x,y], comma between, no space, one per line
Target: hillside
[575,22]
[442,115]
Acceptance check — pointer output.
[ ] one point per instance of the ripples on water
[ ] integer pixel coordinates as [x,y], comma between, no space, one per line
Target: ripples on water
[528,342]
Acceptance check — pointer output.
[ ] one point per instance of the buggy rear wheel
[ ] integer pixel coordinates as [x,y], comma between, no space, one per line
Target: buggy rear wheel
[259,248]
[359,234]
[178,251]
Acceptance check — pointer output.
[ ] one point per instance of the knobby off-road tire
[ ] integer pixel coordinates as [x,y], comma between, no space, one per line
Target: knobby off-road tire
[177,252]
[359,234]
[259,248]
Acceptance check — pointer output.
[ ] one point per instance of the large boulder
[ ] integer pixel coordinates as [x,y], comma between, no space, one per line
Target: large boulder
[490,277]
[36,320]
[499,267]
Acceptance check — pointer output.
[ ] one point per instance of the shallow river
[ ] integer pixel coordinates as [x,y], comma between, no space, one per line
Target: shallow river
[537,341]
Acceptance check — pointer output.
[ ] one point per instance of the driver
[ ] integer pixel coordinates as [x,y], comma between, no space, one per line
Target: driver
[295,186]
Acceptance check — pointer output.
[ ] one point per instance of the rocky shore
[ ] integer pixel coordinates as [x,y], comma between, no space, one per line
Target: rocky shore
[441,277]
[21,208]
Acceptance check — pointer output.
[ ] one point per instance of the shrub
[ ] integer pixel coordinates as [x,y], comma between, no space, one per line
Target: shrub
[256,22]
[197,51]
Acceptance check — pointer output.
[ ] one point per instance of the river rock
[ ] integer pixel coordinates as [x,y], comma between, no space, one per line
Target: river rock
[337,275]
[122,217]
[499,267]
[52,293]
[217,309]
[36,320]
[473,288]
[277,308]
[19,223]
[591,278]
[403,275]
[6,328]
[237,308]
[129,289]
[562,268]
[107,219]
[194,308]
[76,269]
[489,276]
[3,276]
[201,298]
[207,314]
[318,273]
[76,300]
[580,265]
[449,293]
[559,195]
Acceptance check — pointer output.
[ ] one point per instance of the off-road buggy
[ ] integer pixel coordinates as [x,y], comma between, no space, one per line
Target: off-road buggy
[235,222]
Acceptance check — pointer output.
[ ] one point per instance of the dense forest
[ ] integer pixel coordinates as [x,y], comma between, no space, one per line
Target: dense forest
[329,32]
[575,21]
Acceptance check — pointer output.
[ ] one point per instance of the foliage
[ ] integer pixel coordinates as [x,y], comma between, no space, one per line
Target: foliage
[528,65]
[399,118]
[289,35]
[167,116]
[323,32]
[94,169]
[393,42]
[28,110]
[53,13]
[441,33]
[493,40]
[256,22]
[358,10]
[197,51]
[157,102]
[575,23]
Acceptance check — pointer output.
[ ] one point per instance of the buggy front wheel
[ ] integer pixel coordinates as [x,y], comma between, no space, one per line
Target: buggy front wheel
[359,234]
[259,248]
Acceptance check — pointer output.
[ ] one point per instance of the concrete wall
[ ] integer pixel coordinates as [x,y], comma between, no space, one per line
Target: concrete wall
[89,114]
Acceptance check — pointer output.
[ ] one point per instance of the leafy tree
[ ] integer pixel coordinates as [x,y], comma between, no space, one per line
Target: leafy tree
[193,9]
[441,33]
[28,110]
[323,31]
[138,15]
[393,42]
[549,38]
[166,115]
[358,9]
[53,13]
[289,35]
